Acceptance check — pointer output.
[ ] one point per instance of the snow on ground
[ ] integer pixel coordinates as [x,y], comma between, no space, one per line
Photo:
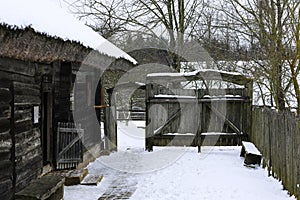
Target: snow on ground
[178,173]
[48,17]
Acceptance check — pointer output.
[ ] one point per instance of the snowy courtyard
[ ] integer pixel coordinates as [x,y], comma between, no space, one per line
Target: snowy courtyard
[175,173]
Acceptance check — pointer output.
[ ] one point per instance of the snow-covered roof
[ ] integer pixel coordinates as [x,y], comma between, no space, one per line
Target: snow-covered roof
[206,74]
[47,17]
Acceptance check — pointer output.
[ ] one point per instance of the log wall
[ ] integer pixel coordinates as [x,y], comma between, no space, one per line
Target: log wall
[6,143]
[20,151]
[277,136]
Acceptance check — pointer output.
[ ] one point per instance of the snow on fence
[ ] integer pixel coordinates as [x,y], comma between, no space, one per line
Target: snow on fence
[277,136]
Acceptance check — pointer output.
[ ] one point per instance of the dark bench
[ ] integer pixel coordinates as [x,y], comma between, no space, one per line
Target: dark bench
[45,188]
[251,153]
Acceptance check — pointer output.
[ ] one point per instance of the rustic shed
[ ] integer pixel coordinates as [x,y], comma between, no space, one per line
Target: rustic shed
[37,107]
[217,113]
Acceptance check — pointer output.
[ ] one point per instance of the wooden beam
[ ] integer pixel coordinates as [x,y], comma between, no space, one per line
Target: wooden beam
[209,74]
[101,106]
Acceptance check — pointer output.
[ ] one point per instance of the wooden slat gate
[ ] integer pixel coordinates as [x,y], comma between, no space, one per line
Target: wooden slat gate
[197,117]
[69,145]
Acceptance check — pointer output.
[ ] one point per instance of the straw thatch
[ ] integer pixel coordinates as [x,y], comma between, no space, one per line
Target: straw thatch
[29,45]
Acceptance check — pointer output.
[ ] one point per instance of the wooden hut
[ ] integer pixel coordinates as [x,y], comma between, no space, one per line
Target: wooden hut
[37,76]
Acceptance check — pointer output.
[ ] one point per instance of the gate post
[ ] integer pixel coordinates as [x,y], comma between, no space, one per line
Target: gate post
[110,125]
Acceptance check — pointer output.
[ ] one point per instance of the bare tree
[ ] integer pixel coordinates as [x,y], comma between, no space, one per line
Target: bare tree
[266,24]
[175,19]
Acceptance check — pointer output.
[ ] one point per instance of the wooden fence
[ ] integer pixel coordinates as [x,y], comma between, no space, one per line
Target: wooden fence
[277,135]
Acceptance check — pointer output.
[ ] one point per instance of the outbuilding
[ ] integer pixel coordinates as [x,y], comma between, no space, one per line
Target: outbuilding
[41,51]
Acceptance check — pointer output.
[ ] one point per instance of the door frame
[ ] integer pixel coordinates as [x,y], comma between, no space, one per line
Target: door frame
[47,122]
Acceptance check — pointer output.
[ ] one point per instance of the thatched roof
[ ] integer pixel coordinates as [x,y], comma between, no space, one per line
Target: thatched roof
[28,45]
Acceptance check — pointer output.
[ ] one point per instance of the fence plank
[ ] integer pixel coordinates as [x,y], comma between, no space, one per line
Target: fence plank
[276,134]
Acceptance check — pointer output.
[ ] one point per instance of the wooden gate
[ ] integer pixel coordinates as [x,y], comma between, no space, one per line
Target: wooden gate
[197,117]
[69,145]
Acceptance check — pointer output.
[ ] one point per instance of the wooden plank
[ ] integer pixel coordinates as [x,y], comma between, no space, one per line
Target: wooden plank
[168,122]
[42,188]
[172,100]
[5,186]
[5,95]
[200,75]
[5,111]
[229,123]
[91,179]
[16,77]
[17,66]
[5,169]
[75,177]
[26,136]
[4,125]
[33,144]
[27,99]
[23,126]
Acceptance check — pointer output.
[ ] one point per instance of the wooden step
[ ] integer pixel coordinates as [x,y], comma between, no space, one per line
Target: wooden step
[74,177]
[47,187]
[91,179]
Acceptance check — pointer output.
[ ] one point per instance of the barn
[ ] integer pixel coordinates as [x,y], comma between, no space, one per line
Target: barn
[38,71]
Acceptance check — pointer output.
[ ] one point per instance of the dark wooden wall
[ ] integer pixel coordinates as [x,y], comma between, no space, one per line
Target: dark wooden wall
[6,144]
[22,136]
[23,86]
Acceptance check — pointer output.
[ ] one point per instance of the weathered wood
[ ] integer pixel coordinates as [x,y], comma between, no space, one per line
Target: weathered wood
[168,122]
[5,169]
[5,111]
[27,99]
[6,189]
[17,66]
[44,188]
[251,153]
[4,125]
[227,112]
[200,75]
[26,89]
[91,179]
[110,128]
[228,122]
[74,177]
[16,77]
[23,126]
[5,95]
[69,146]
[277,136]
[5,154]
[28,170]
